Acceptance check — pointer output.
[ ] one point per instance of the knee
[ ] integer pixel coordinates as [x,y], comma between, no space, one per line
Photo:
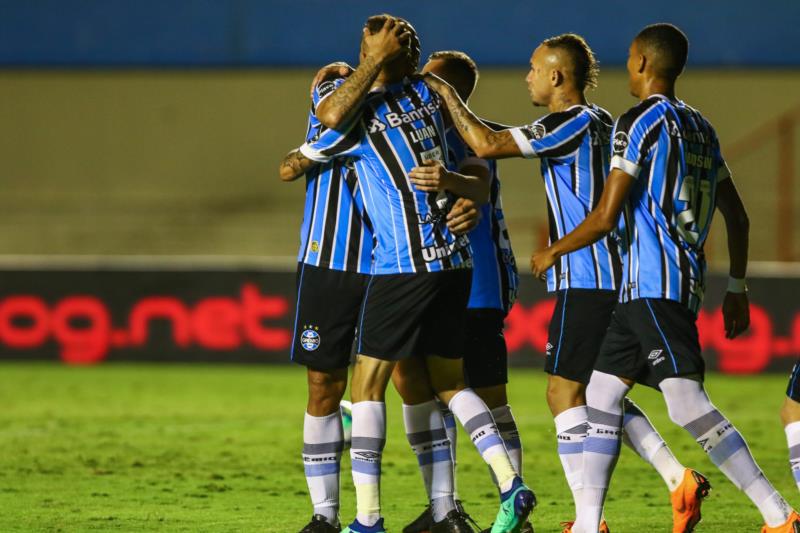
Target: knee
[563,394]
[413,391]
[325,391]
[790,412]
[606,392]
[493,397]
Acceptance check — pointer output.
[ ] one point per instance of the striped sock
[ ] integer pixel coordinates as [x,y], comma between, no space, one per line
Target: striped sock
[793,439]
[507,427]
[571,428]
[452,435]
[322,452]
[640,435]
[426,433]
[366,450]
[473,414]
[728,450]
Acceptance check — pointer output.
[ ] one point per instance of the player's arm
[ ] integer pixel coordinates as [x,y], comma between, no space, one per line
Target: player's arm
[294,165]
[463,217]
[597,224]
[487,143]
[472,182]
[735,307]
[380,47]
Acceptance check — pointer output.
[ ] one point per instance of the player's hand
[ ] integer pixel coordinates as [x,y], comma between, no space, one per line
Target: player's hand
[436,83]
[463,217]
[332,71]
[390,41]
[736,314]
[430,177]
[541,262]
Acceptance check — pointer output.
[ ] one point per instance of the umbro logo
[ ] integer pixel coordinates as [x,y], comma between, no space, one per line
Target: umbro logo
[656,357]
[368,455]
[548,348]
[376,126]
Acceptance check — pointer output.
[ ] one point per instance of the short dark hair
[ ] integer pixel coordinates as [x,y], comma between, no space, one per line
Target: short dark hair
[669,46]
[585,67]
[376,22]
[461,70]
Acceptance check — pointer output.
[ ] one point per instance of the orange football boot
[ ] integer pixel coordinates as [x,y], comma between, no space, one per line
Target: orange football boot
[687,499]
[790,526]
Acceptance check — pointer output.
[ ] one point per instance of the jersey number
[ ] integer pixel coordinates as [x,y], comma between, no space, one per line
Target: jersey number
[693,220]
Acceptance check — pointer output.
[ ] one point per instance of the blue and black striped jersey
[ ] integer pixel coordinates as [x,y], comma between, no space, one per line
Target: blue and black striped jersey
[573,146]
[494,270]
[674,154]
[335,232]
[399,127]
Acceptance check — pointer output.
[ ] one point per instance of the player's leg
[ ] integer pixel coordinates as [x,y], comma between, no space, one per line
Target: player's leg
[327,308]
[616,368]
[790,416]
[445,338]
[486,372]
[671,345]
[427,435]
[367,391]
[577,328]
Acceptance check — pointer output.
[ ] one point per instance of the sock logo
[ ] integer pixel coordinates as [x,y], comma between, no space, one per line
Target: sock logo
[310,339]
[656,357]
[367,455]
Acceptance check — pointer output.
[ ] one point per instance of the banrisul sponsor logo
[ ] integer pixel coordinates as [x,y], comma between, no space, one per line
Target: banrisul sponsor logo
[407,117]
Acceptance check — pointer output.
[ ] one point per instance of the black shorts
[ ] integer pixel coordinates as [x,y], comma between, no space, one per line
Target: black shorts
[328,304]
[650,340]
[408,315]
[793,389]
[579,324]
[485,352]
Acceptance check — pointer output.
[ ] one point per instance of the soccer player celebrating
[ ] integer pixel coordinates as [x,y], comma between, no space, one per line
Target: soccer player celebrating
[417,294]
[494,282]
[667,177]
[572,143]
[334,261]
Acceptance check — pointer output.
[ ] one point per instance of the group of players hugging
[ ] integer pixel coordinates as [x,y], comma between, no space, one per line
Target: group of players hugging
[405,253]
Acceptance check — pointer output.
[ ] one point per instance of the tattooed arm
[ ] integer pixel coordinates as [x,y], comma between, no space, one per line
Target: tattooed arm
[378,48]
[487,143]
[294,165]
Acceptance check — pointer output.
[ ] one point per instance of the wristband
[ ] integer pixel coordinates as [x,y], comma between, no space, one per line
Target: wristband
[737,285]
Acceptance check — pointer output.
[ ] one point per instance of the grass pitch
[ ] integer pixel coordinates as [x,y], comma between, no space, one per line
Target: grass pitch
[217,448]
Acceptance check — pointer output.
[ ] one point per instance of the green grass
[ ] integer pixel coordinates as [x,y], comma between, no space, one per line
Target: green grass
[217,448]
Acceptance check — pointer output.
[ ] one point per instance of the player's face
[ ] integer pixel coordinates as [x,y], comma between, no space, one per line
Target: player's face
[538,79]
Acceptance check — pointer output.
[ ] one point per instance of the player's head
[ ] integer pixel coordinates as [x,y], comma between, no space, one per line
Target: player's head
[404,64]
[456,68]
[658,51]
[561,63]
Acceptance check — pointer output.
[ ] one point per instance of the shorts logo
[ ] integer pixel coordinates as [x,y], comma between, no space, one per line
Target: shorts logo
[548,348]
[621,142]
[656,357]
[310,339]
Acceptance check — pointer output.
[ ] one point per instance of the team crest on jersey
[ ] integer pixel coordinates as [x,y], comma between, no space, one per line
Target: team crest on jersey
[621,141]
[310,339]
[537,130]
[315,246]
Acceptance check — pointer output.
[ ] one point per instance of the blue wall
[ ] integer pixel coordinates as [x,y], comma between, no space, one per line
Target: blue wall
[245,33]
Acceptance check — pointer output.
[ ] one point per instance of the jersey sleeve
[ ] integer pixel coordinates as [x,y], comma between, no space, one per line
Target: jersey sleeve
[329,143]
[555,135]
[632,140]
[325,89]
[723,170]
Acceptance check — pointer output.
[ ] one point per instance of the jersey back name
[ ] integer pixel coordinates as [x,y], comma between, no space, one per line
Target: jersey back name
[399,127]
[573,146]
[674,154]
